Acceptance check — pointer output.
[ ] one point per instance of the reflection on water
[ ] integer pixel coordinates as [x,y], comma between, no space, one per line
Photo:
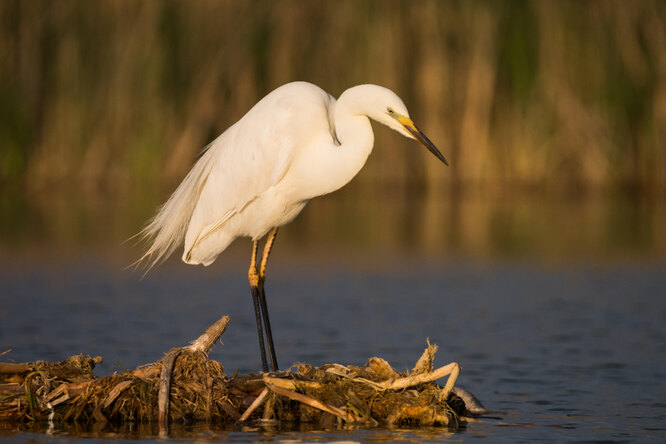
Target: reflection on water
[505,227]
[242,433]
[517,226]
[572,347]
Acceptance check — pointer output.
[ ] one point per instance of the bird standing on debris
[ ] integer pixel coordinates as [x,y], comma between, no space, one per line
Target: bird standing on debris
[296,143]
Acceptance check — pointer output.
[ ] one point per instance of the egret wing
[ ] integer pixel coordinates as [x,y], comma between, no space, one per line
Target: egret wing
[248,159]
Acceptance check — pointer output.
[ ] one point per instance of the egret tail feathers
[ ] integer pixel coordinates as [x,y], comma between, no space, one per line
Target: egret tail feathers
[166,231]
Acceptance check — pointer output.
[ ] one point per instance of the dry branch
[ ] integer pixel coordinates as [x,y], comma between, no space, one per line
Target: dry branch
[312,402]
[257,402]
[163,396]
[210,336]
[9,368]
[453,369]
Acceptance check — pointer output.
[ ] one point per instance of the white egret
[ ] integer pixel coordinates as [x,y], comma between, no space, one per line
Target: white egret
[296,143]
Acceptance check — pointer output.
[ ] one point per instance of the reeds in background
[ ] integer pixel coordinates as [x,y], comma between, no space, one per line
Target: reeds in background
[115,98]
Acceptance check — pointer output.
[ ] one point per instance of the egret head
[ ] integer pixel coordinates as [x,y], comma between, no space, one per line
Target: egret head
[389,109]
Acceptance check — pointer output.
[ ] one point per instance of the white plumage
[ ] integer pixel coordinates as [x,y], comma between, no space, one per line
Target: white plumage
[297,143]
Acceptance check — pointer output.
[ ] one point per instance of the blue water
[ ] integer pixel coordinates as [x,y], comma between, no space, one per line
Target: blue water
[564,353]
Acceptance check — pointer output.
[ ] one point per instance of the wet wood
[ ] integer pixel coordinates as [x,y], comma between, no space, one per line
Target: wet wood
[163,397]
[10,368]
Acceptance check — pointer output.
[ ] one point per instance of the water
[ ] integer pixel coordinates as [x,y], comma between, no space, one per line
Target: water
[557,352]
[554,309]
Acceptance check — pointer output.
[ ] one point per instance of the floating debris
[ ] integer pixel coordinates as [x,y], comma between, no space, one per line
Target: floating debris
[186,386]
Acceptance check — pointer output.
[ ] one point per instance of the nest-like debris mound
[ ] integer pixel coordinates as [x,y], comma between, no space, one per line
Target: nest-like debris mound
[186,386]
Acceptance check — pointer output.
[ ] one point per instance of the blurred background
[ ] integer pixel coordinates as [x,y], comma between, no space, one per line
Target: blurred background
[552,114]
[536,259]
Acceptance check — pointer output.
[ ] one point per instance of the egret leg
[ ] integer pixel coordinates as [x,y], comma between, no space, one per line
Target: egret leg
[262,297]
[253,277]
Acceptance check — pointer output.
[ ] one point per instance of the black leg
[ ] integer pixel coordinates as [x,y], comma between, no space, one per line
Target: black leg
[256,298]
[267,324]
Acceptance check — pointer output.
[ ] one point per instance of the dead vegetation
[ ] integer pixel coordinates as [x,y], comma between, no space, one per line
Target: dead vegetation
[186,387]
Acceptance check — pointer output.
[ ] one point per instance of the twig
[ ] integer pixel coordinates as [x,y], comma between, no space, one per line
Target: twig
[269,411]
[290,384]
[10,368]
[147,371]
[229,409]
[203,343]
[349,417]
[424,364]
[165,385]
[67,391]
[453,369]
[210,336]
[115,392]
[357,404]
[255,404]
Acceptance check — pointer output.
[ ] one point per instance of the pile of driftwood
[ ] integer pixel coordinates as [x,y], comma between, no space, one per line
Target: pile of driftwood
[186,386]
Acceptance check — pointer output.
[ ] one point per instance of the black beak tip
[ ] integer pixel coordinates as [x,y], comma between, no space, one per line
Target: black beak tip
[418,135]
